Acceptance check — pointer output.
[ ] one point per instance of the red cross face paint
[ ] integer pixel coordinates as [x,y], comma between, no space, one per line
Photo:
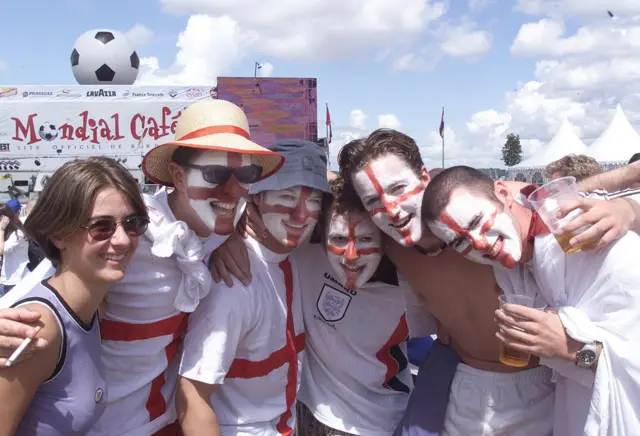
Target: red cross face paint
[354,248]
[392,194]
[290,214]
[214,203]
[476,228]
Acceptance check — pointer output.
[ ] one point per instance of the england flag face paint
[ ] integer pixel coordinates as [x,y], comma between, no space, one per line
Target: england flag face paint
[215,203]
[290,214]
[354,248]
[475,227]
[392,194]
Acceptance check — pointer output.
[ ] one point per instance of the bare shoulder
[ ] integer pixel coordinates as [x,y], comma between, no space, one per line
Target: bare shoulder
[49,323]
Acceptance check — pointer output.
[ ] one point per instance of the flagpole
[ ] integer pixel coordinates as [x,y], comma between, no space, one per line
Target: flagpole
[443,151]
[442,134]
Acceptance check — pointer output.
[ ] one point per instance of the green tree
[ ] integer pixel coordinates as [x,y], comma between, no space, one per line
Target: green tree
[512,150]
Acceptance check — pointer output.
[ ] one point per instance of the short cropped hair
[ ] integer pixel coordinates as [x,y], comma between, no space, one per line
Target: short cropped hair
[439,190]
[358,153]
[345,198]
[67,200]
[579,166]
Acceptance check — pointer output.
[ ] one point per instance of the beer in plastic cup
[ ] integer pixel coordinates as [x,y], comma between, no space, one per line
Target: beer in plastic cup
[547,199]
[509,356]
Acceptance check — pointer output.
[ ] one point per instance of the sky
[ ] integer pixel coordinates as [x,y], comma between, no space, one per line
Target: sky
[496,66]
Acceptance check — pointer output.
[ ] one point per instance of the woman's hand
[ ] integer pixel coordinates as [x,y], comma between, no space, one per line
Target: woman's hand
[534,331]
[16,325]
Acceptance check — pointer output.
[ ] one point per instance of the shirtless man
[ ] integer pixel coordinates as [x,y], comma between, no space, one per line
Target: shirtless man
[388,174]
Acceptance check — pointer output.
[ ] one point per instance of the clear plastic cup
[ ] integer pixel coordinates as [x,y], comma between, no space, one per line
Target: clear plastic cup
[547,200]
[509,356]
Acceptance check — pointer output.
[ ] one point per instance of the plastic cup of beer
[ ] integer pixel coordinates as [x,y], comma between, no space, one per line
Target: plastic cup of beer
[547,200]
[509,356]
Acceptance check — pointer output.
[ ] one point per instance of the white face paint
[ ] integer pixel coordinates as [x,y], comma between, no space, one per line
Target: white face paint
[476,228]
[354,248]
[214,203]
[392,194]
[290,214]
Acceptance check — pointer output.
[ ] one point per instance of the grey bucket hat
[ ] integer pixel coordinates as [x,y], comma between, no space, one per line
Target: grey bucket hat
[305,165]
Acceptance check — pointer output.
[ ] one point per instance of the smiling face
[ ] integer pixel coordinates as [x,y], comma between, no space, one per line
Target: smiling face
[479,229]
[354,248]
[392,194]
[290,214]
[215,203]
[103,261]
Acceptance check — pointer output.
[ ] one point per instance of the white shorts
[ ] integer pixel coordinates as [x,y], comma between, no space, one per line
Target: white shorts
[484,403]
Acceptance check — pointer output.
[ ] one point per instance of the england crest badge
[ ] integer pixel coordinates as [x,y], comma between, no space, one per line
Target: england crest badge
[332,303]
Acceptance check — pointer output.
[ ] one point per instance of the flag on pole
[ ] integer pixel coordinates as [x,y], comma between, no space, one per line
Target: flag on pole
[328,122]
[442,124]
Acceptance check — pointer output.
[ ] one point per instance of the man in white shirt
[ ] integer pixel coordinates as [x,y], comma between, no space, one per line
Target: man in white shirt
[590,339]
[358,315]
[476,395]
[243,350]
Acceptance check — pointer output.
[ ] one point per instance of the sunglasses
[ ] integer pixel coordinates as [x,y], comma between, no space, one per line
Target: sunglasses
[101,229]
[219,175]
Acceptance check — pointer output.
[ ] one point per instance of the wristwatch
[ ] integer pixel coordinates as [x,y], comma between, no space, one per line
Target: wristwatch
[586,357]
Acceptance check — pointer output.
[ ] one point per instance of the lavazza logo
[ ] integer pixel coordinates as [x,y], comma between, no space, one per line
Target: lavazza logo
[101,93]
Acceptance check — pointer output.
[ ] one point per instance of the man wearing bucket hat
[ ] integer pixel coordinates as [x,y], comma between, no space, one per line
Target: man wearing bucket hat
[210,165]
[243,349]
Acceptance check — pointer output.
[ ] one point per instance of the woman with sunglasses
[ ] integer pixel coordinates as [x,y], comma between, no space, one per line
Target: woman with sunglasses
[87,221]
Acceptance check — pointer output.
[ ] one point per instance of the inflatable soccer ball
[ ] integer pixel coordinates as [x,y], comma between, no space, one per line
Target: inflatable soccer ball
[104,57]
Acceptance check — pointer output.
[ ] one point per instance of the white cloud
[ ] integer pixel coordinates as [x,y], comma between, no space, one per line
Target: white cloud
[139,35]
[580,74]
[458,40]
[207,48]
[358,127]
[584,7]
[413,62]
[389,121]
[289,29]
[465,41]
[266,69]
[357,120]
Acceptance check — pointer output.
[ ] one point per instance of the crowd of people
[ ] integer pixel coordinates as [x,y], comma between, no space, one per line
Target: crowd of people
[259,293]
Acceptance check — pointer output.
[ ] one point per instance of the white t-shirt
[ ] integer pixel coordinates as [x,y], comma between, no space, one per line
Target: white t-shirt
[356,377]
[250,340]
[16,258]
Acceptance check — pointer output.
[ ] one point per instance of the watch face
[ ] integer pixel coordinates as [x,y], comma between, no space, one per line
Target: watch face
[587,356]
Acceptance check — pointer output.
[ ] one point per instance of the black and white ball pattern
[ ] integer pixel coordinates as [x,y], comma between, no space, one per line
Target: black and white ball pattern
[104,57]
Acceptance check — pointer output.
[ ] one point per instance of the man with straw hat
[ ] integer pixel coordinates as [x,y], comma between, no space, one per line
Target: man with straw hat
[243,350]
[210,166]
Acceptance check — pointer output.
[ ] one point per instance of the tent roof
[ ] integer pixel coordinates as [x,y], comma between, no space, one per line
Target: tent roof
[618,142]
[564,142]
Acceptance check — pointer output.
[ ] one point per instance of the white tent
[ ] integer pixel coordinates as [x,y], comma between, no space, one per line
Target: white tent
[564,142]
[618,142]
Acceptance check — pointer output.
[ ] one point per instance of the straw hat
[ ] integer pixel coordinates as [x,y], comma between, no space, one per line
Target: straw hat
[216,125]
